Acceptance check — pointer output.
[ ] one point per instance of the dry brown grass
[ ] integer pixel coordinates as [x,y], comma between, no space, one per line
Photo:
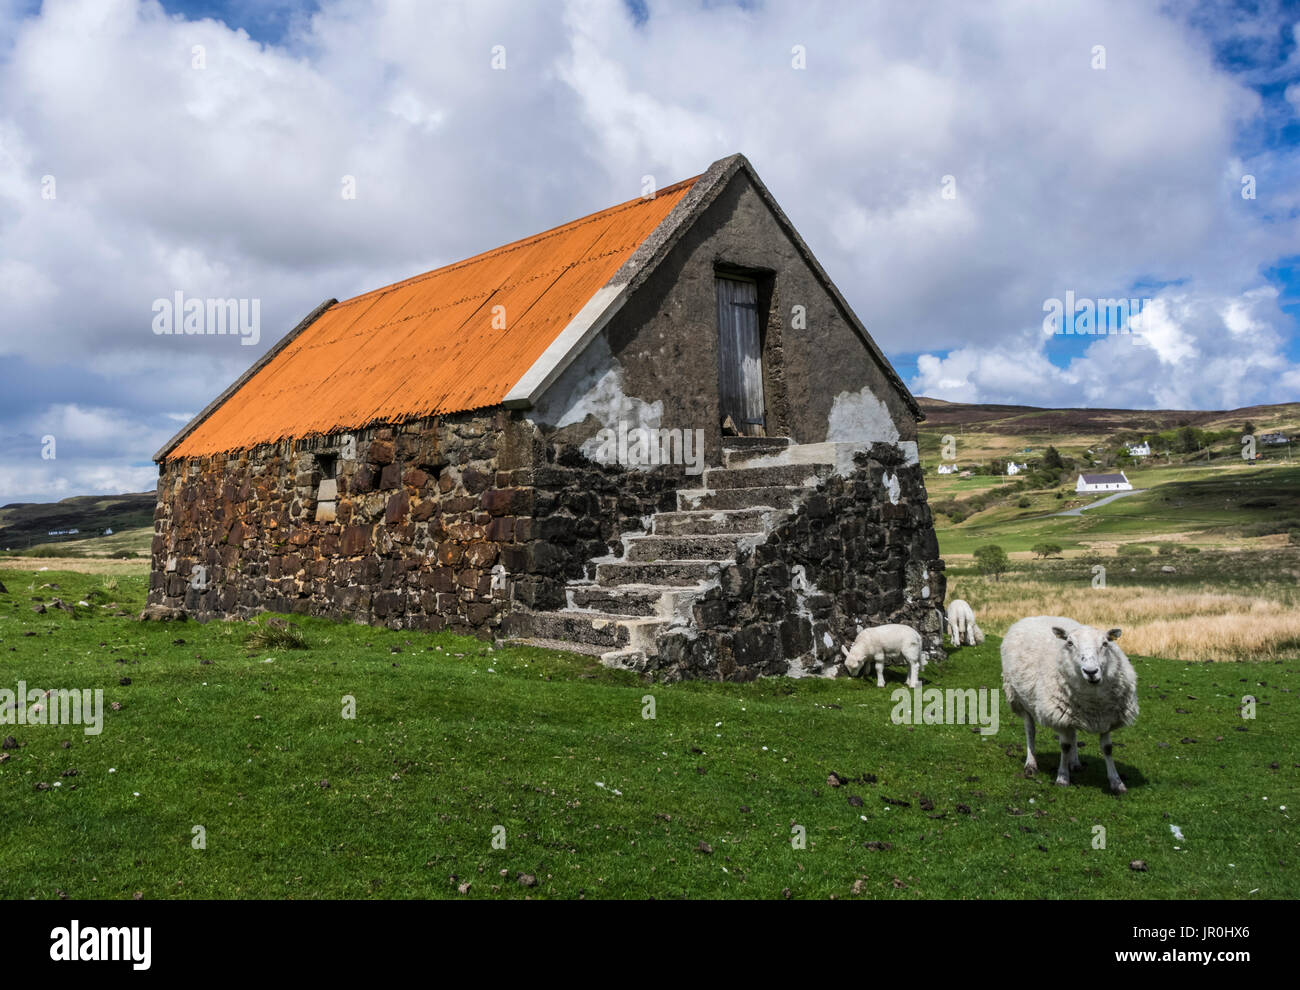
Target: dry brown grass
[81,565]
[1179,624]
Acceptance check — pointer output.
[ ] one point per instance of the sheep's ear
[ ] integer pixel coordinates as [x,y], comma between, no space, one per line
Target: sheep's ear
[1060,633]
[844,650]
[1114,633]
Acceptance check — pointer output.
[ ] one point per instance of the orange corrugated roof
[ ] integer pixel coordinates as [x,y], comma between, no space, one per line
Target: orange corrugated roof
[427,345]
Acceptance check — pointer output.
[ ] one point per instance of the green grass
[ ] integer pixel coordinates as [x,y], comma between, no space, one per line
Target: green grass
[451,739]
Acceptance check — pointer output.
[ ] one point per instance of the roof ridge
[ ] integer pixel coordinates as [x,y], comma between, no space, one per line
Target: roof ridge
[519,244]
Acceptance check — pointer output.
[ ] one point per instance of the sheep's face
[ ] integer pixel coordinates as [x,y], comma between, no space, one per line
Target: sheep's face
[1092,653]
[853,659]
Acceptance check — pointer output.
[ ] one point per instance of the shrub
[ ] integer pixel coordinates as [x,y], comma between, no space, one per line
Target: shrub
[274,634]
[1047,550]
[1024,502]
[1271,528]
[1133,550]
[992,559]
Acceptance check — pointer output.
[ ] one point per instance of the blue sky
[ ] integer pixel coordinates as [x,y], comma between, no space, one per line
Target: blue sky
[954,174]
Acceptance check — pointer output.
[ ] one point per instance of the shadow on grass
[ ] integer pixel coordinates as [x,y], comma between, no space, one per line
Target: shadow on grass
[1093,773]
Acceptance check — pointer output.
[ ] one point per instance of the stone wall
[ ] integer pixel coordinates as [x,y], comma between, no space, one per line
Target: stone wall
[443,523]
[582,508]
[423,512]
[850,555]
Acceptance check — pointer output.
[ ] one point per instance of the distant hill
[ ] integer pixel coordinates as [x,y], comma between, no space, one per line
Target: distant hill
[1098,423]
[24,524]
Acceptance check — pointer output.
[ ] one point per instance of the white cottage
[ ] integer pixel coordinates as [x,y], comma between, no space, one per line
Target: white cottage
[1103,483]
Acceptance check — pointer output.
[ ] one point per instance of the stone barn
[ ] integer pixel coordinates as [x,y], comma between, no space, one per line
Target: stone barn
[657,434]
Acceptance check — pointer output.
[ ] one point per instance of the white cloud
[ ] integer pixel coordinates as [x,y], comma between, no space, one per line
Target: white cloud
[1193,351]
[226,181]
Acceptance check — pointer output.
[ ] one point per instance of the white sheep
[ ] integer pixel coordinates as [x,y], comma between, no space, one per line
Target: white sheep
[962,629]
[880,642]
[1068,676]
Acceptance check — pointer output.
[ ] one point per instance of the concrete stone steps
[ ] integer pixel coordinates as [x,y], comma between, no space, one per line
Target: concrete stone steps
[661,600]
[712,522]
[772,497]
[665,570]
[735,450]
[625,659]
[778,475]
[671,572]
[584,649]
[651,548]
[605,630]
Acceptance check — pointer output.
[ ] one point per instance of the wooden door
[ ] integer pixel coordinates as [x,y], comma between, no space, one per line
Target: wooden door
[740,356]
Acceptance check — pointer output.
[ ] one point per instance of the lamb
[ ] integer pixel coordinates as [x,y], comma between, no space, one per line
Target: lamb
[962,629]
[1068,676]
[891,640]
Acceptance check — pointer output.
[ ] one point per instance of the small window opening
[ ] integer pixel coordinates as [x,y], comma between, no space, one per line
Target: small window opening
[328,492]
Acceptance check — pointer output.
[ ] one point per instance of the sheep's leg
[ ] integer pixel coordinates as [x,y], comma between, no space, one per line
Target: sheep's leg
[913,673]
[880,671]
[1076,761]
[1112,774]
[1031,764]
[1067,757]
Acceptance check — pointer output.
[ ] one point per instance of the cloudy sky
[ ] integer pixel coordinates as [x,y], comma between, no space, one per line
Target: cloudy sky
[954,166]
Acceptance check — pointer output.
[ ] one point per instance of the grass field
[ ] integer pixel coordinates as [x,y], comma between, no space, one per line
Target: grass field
[1208,508]
[452,739]
[1212,606]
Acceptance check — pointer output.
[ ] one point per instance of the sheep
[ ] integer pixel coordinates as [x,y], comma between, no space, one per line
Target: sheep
[880,642]
[1068,677]
[962,629]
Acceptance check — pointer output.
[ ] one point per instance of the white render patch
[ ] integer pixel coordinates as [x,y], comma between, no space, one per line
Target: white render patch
[890,481]
[567,349]
[860,417]
[593,386]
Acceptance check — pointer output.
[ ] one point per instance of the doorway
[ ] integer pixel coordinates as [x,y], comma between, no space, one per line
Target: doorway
[740,357]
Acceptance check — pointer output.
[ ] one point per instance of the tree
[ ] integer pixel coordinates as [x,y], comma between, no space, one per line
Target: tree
[992,559]
[1186,441]
[1052,459]
[1047,550]
[1248,428]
